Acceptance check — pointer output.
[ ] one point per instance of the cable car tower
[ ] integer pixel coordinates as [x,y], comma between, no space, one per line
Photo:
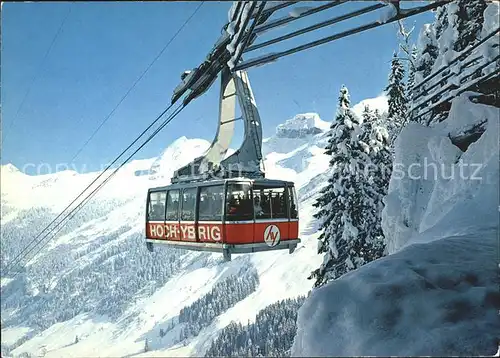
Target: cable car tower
[225,204]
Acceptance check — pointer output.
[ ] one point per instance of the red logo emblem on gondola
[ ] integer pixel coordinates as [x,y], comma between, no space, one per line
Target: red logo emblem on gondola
[272,235]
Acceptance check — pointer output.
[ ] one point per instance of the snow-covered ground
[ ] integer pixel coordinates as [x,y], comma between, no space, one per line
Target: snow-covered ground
[99,260]
[437,291]
[432,299]
[443,189]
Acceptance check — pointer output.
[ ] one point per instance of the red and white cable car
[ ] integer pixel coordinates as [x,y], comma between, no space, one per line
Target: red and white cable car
[225,204]
[228,216]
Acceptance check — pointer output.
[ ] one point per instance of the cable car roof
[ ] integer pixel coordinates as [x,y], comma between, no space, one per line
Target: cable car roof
[261,181]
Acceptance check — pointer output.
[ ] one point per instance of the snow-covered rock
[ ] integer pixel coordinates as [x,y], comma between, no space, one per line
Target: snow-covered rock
[436,186]
[302,125]
[295,136]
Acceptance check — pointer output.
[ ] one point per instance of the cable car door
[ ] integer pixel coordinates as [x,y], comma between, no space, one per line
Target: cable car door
[187,215]
[271,214]
[239,224]
[155,219]
[210,214]
[172,229]
[294,213]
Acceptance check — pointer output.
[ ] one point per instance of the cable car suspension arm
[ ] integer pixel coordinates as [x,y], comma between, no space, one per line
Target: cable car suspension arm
[274,56]
[250,19]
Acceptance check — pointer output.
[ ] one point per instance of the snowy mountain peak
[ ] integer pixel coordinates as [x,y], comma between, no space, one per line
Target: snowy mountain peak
[177,154]
[9,168]
[302,125]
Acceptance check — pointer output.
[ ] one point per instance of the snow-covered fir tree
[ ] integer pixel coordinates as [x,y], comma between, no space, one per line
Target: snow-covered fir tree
[441,22]
[469,21]
[411,74]
[427,54]
[271,335]
[375,140]
[397,100]
[341,205]
[224,295]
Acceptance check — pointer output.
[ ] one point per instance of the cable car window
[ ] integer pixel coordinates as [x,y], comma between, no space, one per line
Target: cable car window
[239,202]
[188,204]
[211,203]
[156,209]
[270,203]
[294,212]
[172,205]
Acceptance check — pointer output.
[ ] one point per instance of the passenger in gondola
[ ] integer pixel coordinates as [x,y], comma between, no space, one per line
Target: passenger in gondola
[276,204]
[158,210]
[256,207]
[232,206]
[246,208]
[266,205]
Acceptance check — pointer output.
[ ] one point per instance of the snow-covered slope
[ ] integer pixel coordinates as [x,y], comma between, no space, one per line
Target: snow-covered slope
[180,151]
[433,299]
[97,281]
[437,293]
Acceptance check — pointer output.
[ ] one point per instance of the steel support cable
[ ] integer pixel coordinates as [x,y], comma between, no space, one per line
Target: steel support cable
[249,33]
[37,73]
[111,113]
[317,26]
[461,56]
[277,7]
[137,81]
[274,56]
[93,181]
[448,86]
[19,258]
[286,19]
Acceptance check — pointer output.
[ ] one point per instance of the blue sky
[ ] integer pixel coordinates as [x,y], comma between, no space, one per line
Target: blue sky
[105,46]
